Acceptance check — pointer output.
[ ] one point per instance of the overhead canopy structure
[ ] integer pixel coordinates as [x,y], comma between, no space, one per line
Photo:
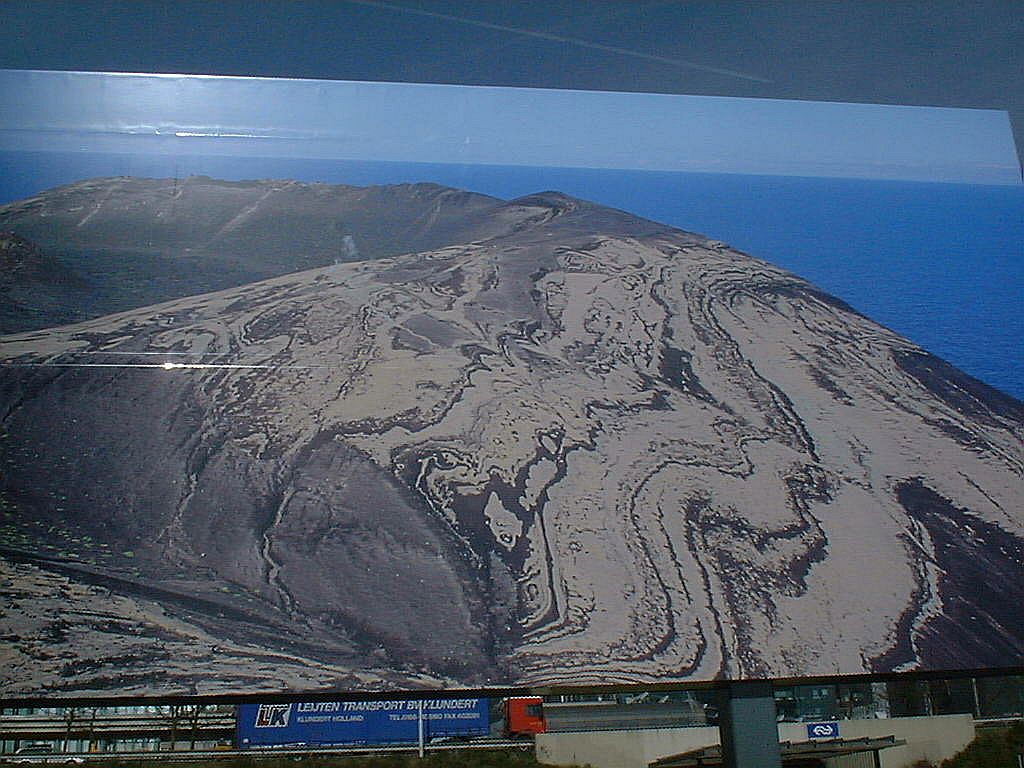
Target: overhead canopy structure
[801,754]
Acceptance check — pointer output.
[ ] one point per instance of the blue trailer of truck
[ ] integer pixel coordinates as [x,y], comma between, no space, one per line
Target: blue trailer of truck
[342,723]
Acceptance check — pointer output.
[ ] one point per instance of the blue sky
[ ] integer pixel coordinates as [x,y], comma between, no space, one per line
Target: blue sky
[511,126]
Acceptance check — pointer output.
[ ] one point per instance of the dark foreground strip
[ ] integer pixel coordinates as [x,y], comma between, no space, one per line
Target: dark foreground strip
[221,754]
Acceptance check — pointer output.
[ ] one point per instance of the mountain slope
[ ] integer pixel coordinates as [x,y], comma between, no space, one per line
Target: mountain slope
[35,288]
[140,241]
[590,449]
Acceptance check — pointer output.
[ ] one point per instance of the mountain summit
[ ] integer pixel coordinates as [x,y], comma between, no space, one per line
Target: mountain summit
[584,448]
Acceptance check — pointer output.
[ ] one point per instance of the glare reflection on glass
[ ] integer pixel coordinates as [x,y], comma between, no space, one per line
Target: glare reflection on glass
[166,365]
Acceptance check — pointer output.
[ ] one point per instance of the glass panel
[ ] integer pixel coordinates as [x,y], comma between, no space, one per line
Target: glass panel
[326,363]
[1001,696]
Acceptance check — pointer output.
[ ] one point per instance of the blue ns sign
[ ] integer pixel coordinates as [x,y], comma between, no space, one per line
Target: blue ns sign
[823,730]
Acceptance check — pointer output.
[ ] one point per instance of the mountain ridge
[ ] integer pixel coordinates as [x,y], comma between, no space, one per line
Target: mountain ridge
[140,241]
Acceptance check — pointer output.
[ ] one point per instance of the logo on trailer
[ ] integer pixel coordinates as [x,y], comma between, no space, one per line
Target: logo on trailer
[823,730]
[273,715]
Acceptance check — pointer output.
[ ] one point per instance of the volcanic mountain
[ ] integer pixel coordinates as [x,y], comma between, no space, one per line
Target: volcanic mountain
[576,447]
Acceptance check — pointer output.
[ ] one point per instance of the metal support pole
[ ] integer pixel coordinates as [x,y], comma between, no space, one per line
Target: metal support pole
[748,725]
[419,724]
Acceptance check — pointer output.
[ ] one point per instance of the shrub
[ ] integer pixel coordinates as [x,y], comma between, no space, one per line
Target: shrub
[991,750]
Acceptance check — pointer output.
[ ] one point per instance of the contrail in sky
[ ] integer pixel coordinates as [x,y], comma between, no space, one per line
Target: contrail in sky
[562,39]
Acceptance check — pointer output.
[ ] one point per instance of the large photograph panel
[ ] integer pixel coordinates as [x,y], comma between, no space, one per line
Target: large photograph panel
[282,435]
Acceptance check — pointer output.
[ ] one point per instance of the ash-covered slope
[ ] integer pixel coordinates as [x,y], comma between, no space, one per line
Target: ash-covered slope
[36,289]
[590,450]
[139,241]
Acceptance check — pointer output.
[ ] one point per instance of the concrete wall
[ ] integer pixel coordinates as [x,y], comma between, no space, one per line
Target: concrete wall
[928,738]
[620,749]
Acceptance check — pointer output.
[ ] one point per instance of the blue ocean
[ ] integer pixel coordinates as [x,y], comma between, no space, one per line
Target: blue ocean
[942,264]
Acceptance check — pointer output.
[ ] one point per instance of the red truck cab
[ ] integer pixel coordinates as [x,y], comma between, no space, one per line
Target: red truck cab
[524,716]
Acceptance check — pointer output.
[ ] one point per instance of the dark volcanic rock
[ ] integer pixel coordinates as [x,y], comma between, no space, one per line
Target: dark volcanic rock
[36,289]
[583,448]
[979,586]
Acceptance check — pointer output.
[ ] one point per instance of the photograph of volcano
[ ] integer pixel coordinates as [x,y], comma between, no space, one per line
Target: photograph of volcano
[286,436]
